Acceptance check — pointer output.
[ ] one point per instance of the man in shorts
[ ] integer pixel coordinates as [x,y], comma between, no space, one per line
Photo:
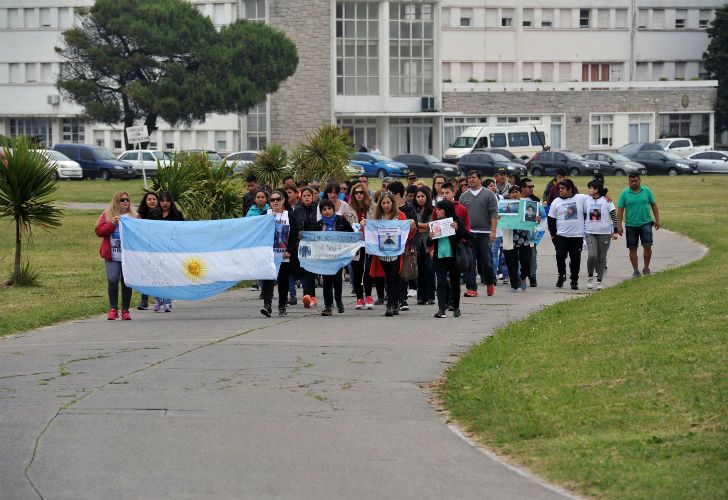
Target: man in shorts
[636,206]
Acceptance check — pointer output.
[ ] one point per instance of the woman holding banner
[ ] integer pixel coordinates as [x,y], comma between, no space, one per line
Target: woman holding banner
[332,283]
[305,213]
[361,203]
[517,250]
[444,256]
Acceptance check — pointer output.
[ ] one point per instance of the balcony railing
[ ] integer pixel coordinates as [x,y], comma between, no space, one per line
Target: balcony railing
[570,86]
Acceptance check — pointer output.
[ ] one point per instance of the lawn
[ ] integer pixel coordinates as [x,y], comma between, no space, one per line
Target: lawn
[98,191]
[624,393]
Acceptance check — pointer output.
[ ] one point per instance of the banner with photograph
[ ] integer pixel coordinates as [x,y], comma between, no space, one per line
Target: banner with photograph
[518,214]
[325,252]
[386,238]
[441,228]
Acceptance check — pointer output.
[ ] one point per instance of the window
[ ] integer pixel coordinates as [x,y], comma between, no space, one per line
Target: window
[680,69]
[465,22]
[87,155]
[658,70]
[694,126]
[527,71]
[31,72]
[31,18]
[498,140]
[603,18]
[547,71]
[15,20]
[517,139]
[620,18]
[680,16]
[256,127]
[538,138]
[642,18]
[639,128]
[131,156]
[46,74]
[169,146]
[595,72]
[39,129]
[565,71]
[65,17]
[565,18]
[73,130]
[255,10]
[584,18]
[15,73]
[601,130]
[453,127]
[527,21]
[547,18]
[117,145]
[704,18]
[357,48]
[411,135]
[658,19]
[491,18]
[411,48]
[45,17]
[221,145]
[507,18]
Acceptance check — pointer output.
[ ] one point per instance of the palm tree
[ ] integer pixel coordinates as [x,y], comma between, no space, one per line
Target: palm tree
[27,180]
[324,155]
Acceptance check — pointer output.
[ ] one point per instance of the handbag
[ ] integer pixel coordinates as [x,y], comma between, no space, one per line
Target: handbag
[409,263]
[464,257]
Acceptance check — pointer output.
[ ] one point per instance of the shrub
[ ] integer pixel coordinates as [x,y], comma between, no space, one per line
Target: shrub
[324,155]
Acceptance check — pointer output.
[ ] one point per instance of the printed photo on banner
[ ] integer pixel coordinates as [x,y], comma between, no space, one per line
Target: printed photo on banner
[390,239]
[441,228]
[508,207]
[531,211]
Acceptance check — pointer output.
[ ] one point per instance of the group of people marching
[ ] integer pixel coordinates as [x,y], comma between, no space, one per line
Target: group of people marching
[471,204]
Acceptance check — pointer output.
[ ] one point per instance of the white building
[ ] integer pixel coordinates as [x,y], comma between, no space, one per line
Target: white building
[409,75]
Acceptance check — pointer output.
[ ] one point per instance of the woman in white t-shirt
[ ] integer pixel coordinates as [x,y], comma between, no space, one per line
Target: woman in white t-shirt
[566,226]
[600,226]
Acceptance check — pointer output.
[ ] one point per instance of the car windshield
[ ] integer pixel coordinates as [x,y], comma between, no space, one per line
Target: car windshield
[618,157]
[431,159]
[672,156]
[213,156]
[464,142]
[161,155]
[572,156]
[103,154]
[664,143]
[55,155]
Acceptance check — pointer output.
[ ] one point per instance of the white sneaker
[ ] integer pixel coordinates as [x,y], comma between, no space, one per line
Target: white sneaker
[411,293]
[600,285]
[590,283]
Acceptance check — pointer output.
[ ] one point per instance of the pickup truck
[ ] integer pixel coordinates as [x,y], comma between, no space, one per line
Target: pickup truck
[681,146]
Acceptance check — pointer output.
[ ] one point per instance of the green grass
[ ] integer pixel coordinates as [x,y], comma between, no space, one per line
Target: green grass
[98,191]
[624,393]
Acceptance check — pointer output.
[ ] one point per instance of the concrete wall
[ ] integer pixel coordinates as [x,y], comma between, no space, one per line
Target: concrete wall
[304,102]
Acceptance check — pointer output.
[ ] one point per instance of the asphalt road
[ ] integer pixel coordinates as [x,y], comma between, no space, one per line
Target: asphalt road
[216,401]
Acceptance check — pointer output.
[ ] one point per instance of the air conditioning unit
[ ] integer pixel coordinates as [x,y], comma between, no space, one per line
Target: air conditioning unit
[54,99]
[428,103]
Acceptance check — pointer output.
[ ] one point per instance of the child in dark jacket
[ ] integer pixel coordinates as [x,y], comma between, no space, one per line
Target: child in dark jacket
[444,256]
[332,283]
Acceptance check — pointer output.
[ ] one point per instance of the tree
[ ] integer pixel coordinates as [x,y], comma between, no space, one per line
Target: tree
[270,166]
[27,180]
[324,155]
[134,60]
[716,64]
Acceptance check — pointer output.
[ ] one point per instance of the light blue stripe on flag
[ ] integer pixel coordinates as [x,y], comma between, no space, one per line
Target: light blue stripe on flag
[386,238]
[325,252]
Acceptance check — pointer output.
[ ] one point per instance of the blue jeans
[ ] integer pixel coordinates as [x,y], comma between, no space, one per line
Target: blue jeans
[480,243]
[534,263]
[114,277]
[499,261]
[291,286]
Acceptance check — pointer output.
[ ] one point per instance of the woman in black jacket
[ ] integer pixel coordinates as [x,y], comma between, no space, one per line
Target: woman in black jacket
[305,214]
[444,256]
[285,244]
[332,283]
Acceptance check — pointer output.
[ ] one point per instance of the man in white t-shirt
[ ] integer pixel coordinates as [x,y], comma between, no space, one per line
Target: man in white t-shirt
[566,225]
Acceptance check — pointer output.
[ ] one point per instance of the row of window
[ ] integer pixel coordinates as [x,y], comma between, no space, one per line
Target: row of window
[72,129]
[608,130]
[28,72]
[584,18]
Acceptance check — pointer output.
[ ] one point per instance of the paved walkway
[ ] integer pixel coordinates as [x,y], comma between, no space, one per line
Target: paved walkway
[215,401]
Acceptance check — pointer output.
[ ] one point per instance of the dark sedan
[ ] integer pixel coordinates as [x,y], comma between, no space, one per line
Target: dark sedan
[489,163]
[664,162]
[636,147]
[615,164]
[427,165]
[513,158]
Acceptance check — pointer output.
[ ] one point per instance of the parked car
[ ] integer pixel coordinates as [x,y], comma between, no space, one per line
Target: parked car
[615,164]
[213,156]
[241,159]
[713,162]
[148,161]
[489,163]
[635,147]
[427,165]
[65,167]
[354,170]
[508,154]
[681,146]
[376,165]
[664,162]
[549,162]
[96,162]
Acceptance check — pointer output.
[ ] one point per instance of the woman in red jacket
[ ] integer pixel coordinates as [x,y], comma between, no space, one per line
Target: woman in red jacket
[107,228]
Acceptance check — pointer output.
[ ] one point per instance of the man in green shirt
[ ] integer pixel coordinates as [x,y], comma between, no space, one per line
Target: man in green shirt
[636,206]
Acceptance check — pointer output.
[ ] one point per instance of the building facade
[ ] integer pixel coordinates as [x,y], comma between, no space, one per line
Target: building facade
[410,75]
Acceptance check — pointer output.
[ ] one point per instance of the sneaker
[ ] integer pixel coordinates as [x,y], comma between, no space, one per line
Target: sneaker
[125,315]
[157,306]
[395,311]
[389,312]
[340,308]
[292,301]
[440,314]
[306,301]
[636,274]
[471,293]
[113,314]
[600,285]
[515,290]
[403,306]
[590,283]
[505,280]
[411,293]
[533,282]
[369,303]
[524,285]
[456,313]
[560,282]
[574,285]
[168,308]
[282,311]
[359,304]
[143,306]
[265,311]
[646,271]
[255,287]
[491,290]
[314,302]
[499,276]
[327,312]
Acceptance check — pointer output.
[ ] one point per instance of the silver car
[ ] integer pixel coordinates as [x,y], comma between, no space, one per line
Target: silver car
[149,160]
[711,162]
[615,163]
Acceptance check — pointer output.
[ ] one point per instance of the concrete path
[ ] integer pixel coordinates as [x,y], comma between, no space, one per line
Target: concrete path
[216,401]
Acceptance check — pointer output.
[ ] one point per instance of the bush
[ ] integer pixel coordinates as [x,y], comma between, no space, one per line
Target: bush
[270,166]
[324,155]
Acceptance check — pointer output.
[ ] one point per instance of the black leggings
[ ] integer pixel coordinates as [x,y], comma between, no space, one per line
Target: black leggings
[516,257]
[391,273]
[447,289]
[360,267]
[332,289]
[570,247]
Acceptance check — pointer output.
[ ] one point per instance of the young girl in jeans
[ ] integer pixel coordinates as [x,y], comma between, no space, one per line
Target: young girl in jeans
[107,228]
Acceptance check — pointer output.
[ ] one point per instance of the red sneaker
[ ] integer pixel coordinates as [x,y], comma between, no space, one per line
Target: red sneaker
[113,314]
[369,302]
[314,302]
[471,293]
[491,290]
[125,316]
[306,301]
[359,304]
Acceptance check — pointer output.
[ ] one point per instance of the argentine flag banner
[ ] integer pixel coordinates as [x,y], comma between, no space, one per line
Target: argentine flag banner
[198,259]
[386,238]
[325,252]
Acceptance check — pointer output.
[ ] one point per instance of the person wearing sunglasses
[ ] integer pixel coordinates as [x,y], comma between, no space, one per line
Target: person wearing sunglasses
[107,228]
[285,244]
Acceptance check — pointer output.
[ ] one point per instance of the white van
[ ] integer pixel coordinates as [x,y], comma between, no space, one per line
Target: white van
[521,140]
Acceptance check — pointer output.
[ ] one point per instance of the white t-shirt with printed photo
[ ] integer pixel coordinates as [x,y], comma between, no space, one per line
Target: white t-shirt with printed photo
[569,215]
[598,219]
